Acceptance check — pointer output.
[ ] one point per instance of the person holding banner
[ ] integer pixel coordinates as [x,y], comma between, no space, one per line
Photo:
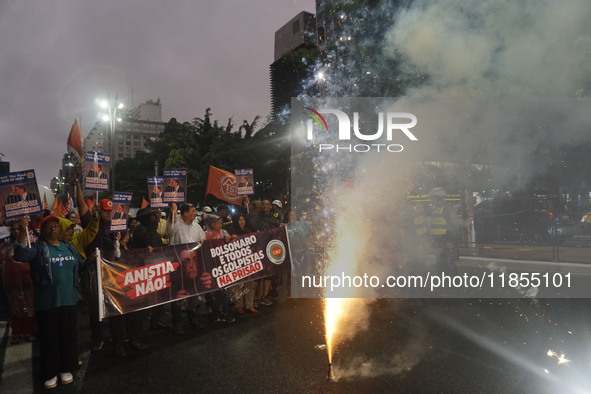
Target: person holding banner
[219,300]
[263,221]
[106,243]
[129,326]
[54,269]
[247,298]
[184,231]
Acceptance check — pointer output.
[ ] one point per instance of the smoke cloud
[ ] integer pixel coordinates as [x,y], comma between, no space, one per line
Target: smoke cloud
[492,83]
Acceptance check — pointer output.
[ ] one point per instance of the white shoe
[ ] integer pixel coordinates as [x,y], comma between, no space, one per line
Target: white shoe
[66,378]
[51,383]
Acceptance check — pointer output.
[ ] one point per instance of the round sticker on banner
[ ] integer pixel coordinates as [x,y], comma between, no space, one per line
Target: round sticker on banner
[30,175]
[276,251]
[128,198]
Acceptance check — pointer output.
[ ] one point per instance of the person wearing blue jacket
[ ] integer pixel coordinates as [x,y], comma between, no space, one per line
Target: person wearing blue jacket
[54,267]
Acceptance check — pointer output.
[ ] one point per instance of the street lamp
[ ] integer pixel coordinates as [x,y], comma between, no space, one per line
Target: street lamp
[111,107]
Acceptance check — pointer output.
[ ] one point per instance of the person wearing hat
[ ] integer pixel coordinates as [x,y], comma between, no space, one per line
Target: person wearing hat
[206,211]
[129,325]
[444,231]
[276,210]
[54,268]
[80,239]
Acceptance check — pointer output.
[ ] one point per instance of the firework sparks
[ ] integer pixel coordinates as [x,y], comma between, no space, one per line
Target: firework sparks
[562,360]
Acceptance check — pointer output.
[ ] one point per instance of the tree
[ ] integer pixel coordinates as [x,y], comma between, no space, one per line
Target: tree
[203,142]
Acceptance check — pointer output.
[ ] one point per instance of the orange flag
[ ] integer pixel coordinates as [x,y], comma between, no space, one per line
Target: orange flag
[75,143]
[222,184]
[58,208]
[44,204]
[144,203]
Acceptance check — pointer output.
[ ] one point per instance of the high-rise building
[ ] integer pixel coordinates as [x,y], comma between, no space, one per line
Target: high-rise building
[295,50]
[132,133]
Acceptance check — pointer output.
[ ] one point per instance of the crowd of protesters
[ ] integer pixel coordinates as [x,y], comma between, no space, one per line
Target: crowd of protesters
[48,266]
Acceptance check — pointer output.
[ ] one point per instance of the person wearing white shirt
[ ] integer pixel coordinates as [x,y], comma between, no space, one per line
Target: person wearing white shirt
[185,230]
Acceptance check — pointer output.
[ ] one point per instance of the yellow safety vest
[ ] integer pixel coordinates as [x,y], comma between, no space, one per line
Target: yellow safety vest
[438,222]
[419,219]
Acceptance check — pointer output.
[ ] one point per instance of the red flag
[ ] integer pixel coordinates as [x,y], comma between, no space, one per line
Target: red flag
[75,142]
[222,184]
[69,204]
[58,208]
[90,204]
[144,202]
[44,203]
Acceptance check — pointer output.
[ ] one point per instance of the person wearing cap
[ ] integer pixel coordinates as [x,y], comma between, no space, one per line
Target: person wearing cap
[54,266]
[276,210]
[206,211]
[444,231]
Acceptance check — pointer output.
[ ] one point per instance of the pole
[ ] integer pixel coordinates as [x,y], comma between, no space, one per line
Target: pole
[99,278]
[113,144]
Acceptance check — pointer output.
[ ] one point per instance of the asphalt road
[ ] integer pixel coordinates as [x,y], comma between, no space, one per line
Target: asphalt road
[575,250]
[410,346]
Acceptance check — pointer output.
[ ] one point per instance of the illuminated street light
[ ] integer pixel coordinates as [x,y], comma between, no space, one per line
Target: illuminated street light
[111,107]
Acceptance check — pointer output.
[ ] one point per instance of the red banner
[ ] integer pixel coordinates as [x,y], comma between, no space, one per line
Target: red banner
[139,280]
[222,184]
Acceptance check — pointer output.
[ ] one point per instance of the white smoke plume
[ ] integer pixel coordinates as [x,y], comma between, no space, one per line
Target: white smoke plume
[483,60]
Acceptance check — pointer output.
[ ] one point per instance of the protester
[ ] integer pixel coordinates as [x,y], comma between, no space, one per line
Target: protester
[223,212]
[18,287]
[127,236]
[72,217]
[105,242]
[161,228]
[263,221]
[80,239]
[206,211]
[54,268]
[298,232]
[193,280]
[219,300]
[183,230]
[146,237]
[128,327]
[276,207]
[215,229]
[34,227]
[246,205]
[245,299]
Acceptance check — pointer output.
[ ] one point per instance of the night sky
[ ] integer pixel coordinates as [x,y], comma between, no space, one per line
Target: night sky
[59,56]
